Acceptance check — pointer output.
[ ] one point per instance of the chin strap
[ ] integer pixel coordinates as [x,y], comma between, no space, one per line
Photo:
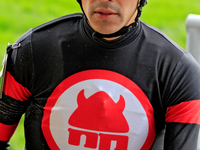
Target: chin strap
[123,30]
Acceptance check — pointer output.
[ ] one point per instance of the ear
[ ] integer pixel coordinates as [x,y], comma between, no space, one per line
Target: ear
[138,4]
[121,103]
[81,97]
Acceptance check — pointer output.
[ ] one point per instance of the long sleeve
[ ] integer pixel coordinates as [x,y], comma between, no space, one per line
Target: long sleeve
[183,110]
[16,93]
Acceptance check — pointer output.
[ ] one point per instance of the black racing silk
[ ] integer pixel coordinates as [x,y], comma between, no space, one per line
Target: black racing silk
[62,71]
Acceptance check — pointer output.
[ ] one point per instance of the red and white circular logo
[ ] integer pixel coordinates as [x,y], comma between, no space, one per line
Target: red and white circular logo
[98,110]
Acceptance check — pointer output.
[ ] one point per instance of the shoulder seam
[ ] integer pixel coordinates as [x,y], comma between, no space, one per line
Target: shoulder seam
[30,31]
[25,35]
[161,33]
[74,15]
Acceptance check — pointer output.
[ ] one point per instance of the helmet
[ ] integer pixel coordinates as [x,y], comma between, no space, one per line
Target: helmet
[79,1]
[143,3]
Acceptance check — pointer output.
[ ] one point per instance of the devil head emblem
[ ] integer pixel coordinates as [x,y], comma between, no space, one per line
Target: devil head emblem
[100,113]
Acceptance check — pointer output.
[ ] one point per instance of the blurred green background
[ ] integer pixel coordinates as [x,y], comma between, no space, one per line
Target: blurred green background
[17,16]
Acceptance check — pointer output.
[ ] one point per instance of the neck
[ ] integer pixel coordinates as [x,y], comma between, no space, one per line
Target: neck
[117,34]
[113,38]
[132,23]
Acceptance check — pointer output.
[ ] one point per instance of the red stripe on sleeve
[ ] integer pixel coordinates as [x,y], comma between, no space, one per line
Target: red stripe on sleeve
[185,112]
[14,89]
[6,131]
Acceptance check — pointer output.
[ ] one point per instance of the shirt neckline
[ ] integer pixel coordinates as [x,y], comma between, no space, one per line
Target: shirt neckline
[113,44]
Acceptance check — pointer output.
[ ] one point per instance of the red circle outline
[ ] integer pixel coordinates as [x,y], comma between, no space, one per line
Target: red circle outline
[97,74]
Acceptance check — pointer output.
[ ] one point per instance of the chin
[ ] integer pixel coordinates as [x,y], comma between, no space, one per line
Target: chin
[107,30]
[105,27]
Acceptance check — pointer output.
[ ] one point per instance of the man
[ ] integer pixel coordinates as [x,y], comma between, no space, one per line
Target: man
[101,80]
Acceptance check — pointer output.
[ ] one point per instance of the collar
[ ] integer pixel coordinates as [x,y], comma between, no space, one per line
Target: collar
[130,34]
[121,32]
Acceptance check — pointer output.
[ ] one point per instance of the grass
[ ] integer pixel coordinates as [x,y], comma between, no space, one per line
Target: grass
[17,16]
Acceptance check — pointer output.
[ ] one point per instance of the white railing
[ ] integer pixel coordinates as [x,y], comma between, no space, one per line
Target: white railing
[193,35]
[193,41]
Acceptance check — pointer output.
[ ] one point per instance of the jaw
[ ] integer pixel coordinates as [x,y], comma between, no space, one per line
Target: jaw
[105,23]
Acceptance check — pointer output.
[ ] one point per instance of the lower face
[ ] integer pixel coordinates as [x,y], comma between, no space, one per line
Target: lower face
[109,16]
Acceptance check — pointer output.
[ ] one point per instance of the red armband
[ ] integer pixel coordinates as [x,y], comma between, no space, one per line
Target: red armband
[14,89]
[7,131]
[185,112]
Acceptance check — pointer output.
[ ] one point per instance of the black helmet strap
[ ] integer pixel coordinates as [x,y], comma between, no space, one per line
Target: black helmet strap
[123,30]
